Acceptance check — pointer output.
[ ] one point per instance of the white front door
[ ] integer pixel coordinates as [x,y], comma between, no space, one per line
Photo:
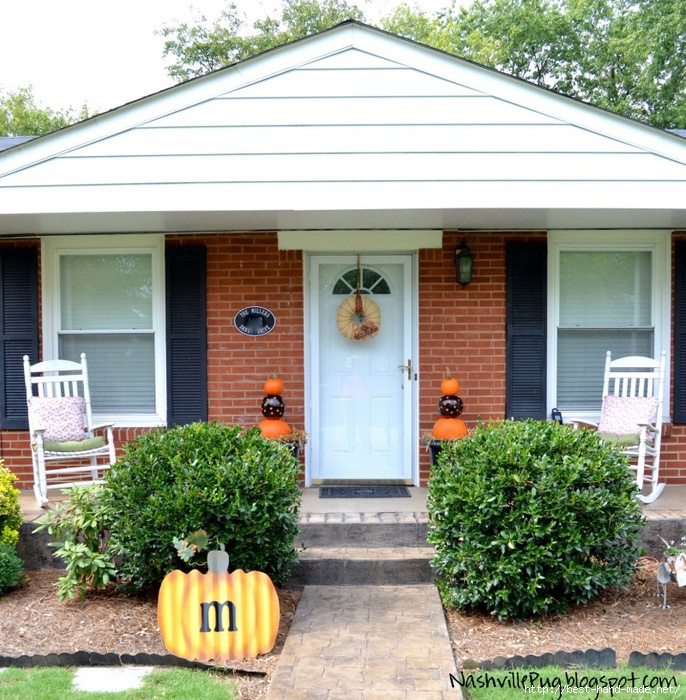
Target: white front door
[361,390]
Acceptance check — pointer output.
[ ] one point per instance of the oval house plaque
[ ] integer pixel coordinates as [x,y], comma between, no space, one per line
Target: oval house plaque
[255,320]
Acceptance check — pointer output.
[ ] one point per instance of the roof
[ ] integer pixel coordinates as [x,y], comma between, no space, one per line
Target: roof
[12,141]
[351,128]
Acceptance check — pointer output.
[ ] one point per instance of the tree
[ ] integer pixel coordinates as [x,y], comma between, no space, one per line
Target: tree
[21,116]
[628,56]
[208,46]
[412,24]
[203,47]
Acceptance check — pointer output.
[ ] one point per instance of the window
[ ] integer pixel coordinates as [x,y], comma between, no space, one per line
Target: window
[109,303]
[608,292]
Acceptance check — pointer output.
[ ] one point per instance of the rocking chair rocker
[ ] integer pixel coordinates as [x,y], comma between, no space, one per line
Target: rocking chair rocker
[61,429]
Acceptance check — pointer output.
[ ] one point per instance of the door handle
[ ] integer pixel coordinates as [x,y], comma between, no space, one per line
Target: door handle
[408,367]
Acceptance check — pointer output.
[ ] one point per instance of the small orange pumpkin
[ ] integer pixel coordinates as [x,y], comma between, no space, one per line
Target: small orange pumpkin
[273,386]
[217,615]
[449,385]
[449,429]
[274,427]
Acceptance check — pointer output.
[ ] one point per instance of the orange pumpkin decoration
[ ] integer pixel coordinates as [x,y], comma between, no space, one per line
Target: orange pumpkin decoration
[449,385]
[449,429]
[218,616]
[273,386]
[274,427]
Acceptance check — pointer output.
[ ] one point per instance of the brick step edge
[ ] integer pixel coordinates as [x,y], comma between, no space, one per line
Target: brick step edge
[591,658]
[93,658]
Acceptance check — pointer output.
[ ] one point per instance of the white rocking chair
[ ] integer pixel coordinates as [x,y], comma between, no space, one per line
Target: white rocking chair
[631,415]
[61,427]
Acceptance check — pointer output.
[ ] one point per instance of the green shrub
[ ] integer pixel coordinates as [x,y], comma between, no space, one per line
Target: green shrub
[80,524]
[240,488]
[11,568]
[531,517]
[10,510]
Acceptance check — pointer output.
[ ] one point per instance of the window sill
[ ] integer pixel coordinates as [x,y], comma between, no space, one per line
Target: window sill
[130,420]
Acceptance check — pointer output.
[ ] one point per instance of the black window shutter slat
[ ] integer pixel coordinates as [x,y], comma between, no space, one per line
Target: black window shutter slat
[18,330]
[526,341]
[680,331]
[186,284]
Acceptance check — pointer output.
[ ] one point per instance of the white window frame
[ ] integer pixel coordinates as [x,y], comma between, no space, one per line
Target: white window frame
[52,248]
[656,242]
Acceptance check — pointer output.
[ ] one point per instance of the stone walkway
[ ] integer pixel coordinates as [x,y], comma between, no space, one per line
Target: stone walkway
[366,643]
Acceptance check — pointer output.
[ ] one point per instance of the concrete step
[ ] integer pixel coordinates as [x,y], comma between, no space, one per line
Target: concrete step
[354,549]
[363,530]
[363,566]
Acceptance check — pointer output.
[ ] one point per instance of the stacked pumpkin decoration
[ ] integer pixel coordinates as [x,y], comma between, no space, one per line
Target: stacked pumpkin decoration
[449,426]
[273,407]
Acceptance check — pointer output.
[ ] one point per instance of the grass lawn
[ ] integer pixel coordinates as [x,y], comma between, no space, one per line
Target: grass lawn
[170,684]
[565,684]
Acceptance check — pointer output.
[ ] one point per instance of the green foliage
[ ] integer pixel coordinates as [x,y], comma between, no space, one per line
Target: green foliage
[81,524]
[21,116]
[531,517]
[207,46]
[240,488]
[10,510]
[11,568]
[188,547]
[623,55]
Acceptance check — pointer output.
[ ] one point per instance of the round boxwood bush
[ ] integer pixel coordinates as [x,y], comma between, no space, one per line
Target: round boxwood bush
[238,487]
[10,510]
[530,517]
[11,568]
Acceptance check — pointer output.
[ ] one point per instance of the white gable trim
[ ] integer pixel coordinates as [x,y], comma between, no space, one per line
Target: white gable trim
[481,79]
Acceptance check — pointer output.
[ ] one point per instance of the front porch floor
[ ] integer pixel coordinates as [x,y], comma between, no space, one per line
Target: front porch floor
[670,506]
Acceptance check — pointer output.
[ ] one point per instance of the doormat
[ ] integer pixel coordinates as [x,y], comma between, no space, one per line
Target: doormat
[363,492]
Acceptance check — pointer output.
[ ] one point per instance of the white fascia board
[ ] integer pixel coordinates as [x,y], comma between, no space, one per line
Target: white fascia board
[343,241]
[363,196]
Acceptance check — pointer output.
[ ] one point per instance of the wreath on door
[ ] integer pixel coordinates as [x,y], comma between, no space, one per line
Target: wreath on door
[358,317]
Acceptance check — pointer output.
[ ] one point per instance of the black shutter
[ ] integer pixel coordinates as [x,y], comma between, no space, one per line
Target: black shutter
[186,334]
[525,384]
[680,331]
[18,330]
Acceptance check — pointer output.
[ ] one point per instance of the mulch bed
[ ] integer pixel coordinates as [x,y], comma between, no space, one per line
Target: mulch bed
[33,621]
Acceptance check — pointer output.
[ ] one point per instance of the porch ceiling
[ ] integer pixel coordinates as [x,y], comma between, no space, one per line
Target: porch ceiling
[441,219]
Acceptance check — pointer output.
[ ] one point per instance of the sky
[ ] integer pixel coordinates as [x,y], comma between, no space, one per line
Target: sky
[105,53]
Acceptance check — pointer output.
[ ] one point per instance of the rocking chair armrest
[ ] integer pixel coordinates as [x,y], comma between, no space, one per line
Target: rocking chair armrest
[107,427]
[103,425]
[647,429]
[584,424]
[38,434]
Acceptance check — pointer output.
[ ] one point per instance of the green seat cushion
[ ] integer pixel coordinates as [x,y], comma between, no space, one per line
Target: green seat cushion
[621,440]
[74,445]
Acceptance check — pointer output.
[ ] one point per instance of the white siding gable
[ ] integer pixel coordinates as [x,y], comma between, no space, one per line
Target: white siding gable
[349,128]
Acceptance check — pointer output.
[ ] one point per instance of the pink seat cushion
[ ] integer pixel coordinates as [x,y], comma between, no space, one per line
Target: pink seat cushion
[621,415]
[61,417]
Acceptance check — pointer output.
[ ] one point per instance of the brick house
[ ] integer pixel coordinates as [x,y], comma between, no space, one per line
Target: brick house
[139,235]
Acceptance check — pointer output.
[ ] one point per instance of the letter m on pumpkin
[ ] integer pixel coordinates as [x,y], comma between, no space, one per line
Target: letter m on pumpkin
[218,616]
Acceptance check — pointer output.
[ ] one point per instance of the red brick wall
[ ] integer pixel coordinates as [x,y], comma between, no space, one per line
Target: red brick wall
[463,329]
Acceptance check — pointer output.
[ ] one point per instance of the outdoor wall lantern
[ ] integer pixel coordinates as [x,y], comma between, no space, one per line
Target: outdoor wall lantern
[464,263]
